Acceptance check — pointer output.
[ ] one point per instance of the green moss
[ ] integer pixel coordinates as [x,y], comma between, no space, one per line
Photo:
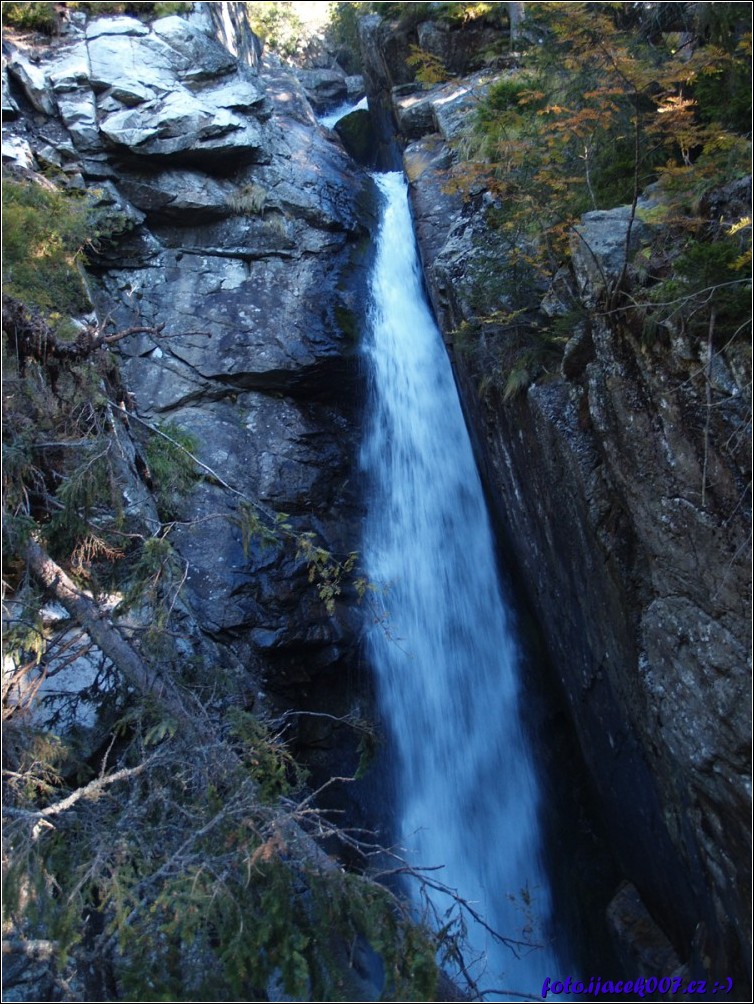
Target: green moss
[348,322]
[357,134]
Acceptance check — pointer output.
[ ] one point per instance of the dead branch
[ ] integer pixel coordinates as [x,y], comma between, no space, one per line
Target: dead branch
[32,338]
[31,948]
[90,791]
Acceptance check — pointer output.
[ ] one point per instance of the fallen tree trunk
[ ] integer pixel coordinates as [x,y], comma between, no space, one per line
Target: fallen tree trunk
[107,637]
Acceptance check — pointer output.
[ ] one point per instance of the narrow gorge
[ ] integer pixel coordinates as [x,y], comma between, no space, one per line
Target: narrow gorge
[421,555]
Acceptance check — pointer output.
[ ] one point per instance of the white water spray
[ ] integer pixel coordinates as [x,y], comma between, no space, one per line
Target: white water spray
[445,658]
[332,118]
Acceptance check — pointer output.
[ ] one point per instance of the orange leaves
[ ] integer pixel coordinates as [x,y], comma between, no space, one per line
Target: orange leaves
[530,96]
[274,847]
[553,110]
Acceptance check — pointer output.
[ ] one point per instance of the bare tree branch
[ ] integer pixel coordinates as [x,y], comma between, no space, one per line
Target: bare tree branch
[91,791]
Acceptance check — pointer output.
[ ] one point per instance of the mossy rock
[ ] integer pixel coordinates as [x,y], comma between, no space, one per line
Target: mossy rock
[358,137]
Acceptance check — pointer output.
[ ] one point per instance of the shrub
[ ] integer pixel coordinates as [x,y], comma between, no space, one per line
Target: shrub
[144,11]
[278,25]
[344,32]
[39,17]
[44,233]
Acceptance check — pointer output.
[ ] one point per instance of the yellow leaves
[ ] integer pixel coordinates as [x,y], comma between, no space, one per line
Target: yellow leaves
[676,105]
[429,68]
[742,224]
[743,261]
[677,124]
[324,569]
[468,12]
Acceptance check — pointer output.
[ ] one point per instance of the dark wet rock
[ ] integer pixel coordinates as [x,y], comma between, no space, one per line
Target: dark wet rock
[10,108]
[355,87]
[256,270]
[601,246]
[229,24]
[642,946]
[31,78]
[460,50]
[385,51]
[414,112]
[578,353]
[174,194]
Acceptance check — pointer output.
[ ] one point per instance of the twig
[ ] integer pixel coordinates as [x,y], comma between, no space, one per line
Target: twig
[708,399]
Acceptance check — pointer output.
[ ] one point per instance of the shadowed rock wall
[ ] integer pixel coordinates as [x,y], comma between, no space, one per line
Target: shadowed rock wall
[244,231]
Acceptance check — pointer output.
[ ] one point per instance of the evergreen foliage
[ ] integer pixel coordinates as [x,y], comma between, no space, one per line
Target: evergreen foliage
[172,471]
[33,16]
[277,25]
[194,882]
[344,32]
[409,15]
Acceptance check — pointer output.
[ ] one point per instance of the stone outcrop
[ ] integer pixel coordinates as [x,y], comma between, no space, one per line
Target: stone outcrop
[324,87]
[242,231]
[622,484]
[459,51]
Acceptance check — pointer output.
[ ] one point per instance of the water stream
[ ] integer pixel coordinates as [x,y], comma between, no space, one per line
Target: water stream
[444,651]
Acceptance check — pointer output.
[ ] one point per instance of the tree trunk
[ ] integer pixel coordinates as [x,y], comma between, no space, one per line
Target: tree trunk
[516,16]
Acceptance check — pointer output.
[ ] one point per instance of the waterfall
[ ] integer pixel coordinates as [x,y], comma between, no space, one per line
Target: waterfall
[444,652]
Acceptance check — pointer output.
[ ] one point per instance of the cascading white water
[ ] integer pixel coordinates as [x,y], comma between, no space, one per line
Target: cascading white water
[445,658]
[340,112]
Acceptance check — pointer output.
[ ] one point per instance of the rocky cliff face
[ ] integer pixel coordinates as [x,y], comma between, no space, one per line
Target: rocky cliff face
[622,481]
[243,227]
